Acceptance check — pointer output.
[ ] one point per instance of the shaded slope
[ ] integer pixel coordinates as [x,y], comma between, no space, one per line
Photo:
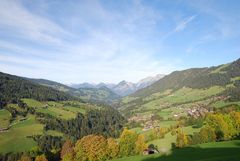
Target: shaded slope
[12,88]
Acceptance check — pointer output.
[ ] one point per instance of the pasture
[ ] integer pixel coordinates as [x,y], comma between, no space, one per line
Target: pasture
[5,117]
[216,151]
[15,139]
[57,112]
[33,103]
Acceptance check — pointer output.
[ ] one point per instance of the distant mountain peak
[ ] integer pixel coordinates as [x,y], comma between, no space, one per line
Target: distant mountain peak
[124,87]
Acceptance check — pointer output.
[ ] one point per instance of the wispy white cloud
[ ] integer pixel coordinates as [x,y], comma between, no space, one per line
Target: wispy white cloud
[225,20]
[16,19]
[183,23]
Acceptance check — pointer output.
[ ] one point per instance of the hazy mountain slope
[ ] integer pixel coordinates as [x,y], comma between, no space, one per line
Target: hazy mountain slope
[148,81]
[52,84]
[186,87]
[102,94]
[82,85]
[124,88]
[12,88]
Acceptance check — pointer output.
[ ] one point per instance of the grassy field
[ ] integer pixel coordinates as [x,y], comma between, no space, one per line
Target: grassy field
[165,144]
[5,117]
[64,110]
[74,109]
[183,95]
[15,139]
[221,104]
[33,103]
[216,151]
[57,112]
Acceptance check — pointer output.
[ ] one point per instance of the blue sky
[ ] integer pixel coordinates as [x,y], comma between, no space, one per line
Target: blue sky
[113,40]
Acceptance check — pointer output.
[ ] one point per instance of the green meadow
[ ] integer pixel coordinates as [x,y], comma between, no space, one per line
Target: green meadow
[5,117]
[216,151]
[15,139]
[57,112]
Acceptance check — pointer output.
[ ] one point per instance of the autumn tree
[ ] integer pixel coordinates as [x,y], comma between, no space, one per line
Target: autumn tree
[182,139]
[127,142]
[67,149]
[25,158]
[113,148]
[41,158]
[221,124]
[159,132]
[140,144]
[207,134]
[236,123]
[91,147]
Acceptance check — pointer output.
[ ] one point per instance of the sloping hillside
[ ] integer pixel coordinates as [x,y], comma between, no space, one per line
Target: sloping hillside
[187,86]
[102,94]
[13,88]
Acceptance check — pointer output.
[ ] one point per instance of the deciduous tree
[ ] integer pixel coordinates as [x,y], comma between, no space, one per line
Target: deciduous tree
[127,142]
[91,147]
[113,148]
[25,158]
[41,158]
[182,139]
[140,144]
[67,148]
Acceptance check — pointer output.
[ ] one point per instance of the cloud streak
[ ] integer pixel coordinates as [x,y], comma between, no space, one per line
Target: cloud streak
[183,24]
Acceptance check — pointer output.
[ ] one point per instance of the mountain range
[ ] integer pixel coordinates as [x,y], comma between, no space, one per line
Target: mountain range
[123,88]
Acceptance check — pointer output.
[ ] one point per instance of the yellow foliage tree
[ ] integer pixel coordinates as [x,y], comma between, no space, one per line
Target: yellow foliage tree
[236,117]
[140,144]
[113,148]
[67,149]
[222,126]
[25,158]
[207,134]
[41,158]
[182,139]
[127,142]
[159,132]
[91,147]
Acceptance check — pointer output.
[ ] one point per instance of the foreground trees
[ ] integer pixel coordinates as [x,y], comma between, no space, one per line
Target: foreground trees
[98,148]
[91,147]
[140,144]
[223,126]
[67,152]
[41,158]
[182,139]
[127,142]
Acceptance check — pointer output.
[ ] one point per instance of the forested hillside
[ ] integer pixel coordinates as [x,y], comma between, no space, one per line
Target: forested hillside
[195,78]
[13,88]
[187,87]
